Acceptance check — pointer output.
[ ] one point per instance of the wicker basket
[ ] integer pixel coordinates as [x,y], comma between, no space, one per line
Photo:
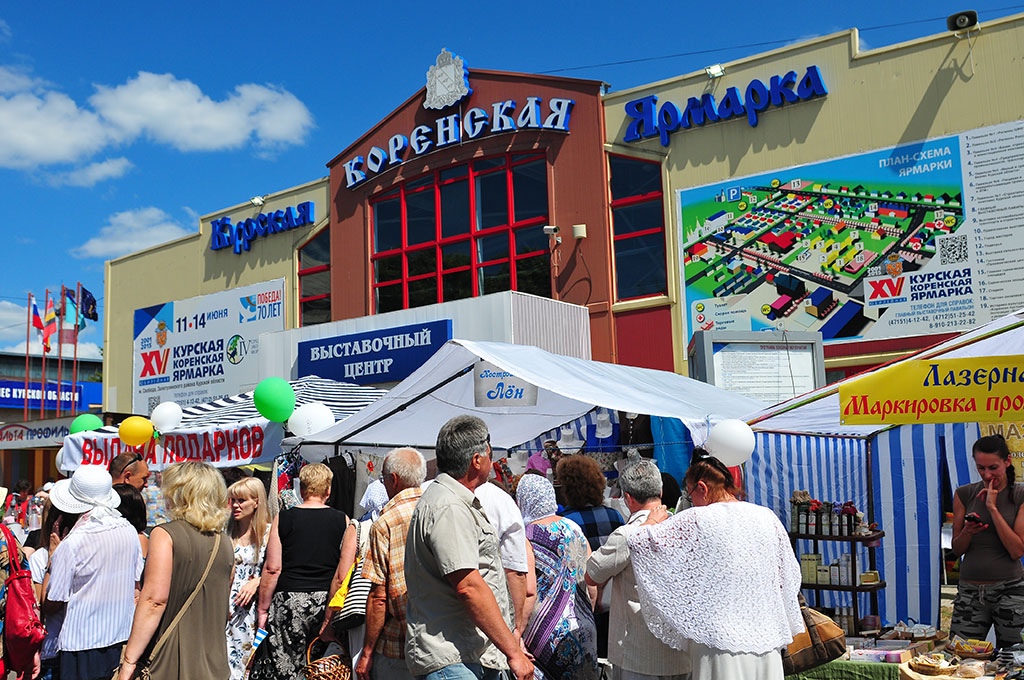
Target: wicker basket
[334,667]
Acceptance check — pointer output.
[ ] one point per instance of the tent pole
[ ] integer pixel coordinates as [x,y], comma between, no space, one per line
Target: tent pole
[406,405]
[870,482]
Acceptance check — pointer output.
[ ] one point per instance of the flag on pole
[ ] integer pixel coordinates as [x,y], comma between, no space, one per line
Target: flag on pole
[49,324]
[88,306]
[71,315]
[37,321]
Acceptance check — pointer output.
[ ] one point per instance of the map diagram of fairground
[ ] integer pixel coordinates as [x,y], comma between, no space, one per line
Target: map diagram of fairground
[825,247]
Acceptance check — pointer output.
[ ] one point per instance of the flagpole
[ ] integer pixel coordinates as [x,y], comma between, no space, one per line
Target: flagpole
[60,339]
[28,329]
[74,365]
[42,380]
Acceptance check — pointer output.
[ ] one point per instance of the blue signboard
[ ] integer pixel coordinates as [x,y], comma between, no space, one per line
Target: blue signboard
[12,395]
[373,357]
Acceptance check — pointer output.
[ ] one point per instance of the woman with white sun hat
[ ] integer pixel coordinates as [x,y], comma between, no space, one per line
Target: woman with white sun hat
[94,573]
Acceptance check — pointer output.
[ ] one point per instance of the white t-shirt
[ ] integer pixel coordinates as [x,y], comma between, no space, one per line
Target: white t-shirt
[503,514]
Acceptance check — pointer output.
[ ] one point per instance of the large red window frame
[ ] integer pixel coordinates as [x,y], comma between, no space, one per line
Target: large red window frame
[316,269]
[511,228]
[634,200]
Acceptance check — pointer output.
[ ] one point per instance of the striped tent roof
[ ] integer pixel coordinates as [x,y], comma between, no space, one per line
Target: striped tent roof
[343,399]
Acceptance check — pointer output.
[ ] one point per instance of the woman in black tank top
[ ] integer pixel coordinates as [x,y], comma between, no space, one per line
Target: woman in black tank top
[988,534]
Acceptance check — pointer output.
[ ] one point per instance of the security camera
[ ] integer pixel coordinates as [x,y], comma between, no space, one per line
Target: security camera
[962,21]
[550,230]
[257,201]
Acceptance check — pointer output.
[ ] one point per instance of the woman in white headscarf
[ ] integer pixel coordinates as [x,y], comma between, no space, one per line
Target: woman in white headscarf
[560,634]
[95,570]
[719,579]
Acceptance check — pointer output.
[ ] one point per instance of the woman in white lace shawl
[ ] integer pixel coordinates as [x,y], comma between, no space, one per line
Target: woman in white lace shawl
[719,579]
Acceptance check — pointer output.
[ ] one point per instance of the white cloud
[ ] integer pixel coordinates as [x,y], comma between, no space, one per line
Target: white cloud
[129,231]
[177,113]
[5,31]
[41,126]
[48,128]
[93,174]
[13,318]
[86,350]
[14,79]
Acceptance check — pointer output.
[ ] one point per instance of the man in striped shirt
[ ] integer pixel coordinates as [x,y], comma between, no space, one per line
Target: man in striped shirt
[402,473]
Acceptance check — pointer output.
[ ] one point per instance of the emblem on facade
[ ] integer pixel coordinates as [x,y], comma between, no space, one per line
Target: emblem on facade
[161,333]
[447,82]
[895,265]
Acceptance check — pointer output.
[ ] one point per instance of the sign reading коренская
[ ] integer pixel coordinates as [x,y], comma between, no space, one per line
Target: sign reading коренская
[936,391]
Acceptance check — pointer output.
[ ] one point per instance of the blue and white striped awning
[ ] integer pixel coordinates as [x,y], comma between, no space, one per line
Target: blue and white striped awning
[343,399]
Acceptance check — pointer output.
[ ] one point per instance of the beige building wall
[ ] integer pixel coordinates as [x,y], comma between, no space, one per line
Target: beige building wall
[187,268]
[926,88]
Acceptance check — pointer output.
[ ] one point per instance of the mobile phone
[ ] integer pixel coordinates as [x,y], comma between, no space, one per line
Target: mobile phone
[973,517]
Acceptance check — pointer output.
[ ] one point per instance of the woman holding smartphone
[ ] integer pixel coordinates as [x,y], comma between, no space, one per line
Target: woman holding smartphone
[988,534]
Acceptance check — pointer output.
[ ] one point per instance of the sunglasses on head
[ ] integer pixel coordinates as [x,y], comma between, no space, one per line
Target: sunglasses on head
[135,459]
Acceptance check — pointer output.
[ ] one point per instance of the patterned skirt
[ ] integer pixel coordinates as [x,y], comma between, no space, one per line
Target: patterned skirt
[292,622]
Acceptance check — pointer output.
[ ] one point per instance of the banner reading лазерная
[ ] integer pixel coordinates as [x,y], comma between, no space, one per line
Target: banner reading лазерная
[936,391]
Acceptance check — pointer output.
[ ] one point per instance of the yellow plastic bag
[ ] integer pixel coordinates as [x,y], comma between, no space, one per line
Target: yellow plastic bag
[339,597]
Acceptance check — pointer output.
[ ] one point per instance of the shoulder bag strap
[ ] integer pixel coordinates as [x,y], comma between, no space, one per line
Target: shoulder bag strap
[184,607]
[8,537]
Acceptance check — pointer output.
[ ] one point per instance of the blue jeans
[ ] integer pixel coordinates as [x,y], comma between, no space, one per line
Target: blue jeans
[463,671]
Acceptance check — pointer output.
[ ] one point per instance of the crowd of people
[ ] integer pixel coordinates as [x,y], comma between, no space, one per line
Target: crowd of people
[465,578]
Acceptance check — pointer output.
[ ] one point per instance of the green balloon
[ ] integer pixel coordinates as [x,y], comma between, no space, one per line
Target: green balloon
[85,423]
[275,399]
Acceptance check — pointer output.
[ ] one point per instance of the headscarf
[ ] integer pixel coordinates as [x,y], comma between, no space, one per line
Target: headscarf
[374,499]
[536,498]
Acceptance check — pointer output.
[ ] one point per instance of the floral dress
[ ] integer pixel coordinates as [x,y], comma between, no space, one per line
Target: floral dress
[242,620]
[561,633]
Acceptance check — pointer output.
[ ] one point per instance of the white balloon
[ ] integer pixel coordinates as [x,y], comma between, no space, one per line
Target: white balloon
[310,418]
[731,441]
[59,461]
[166,416]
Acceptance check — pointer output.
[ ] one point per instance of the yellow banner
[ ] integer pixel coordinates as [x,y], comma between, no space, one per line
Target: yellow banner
[982,389]
[1013,432]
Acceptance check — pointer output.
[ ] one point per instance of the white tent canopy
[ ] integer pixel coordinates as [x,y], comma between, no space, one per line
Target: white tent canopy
[413,411]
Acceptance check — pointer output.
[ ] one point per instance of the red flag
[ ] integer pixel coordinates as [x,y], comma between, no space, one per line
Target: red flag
[49,324]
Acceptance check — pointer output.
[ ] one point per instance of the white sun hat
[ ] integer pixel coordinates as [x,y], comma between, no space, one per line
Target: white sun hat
[88,488]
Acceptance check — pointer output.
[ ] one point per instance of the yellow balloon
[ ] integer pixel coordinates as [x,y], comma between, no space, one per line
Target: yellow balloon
[135,430]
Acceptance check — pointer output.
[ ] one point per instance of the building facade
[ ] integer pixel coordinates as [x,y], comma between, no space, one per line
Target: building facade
[862,195]
[819,188]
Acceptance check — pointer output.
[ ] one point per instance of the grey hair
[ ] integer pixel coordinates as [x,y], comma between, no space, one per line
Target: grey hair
[457,441]
[641,480]
[407,464]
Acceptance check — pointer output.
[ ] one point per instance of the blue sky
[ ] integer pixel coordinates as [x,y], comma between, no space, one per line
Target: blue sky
[121,123]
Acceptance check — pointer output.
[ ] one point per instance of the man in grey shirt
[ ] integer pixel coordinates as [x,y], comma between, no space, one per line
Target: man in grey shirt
[459,607]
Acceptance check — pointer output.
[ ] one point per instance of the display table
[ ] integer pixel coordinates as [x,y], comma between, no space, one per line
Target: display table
[850,670]
[907,674]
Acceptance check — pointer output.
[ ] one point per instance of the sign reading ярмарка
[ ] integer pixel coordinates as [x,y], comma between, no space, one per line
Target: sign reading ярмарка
[203,348]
